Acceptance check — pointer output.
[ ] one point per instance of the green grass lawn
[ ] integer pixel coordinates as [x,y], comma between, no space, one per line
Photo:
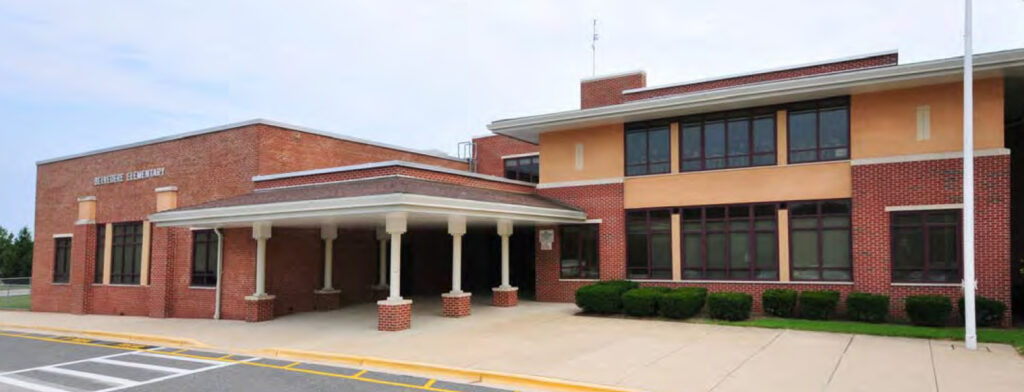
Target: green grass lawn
[1014,337]
[15,302]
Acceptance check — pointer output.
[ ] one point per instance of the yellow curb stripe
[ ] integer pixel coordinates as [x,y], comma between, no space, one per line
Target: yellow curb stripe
[133,337]
[225,356]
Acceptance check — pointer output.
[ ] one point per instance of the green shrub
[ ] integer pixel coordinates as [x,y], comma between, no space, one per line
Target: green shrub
[779,302]
[871,308]
[603,297]
[642,302]
[987,312]
[683,302]
[930,310]
[729,306]
[818,305]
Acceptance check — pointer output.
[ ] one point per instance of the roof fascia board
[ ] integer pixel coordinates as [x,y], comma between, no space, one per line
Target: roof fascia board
[239,124]
[376,165]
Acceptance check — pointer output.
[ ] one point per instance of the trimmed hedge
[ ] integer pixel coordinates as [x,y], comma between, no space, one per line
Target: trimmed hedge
[681,303]
[987,312]
[866,307]
[818,305]
[929,310]
[603,297]
[729,306]
[779,302]
[642,302]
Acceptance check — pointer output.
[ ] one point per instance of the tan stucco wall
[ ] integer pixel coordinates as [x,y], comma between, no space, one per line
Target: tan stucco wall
[602,154]
[885,123]
[760,184]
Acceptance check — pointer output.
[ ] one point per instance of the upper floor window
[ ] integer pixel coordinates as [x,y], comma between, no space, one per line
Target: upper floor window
[523,168]
[126,253]
[730,242]
[648,148]
[820,241]
[649,244]
[819,130]
[61,259]
[721,141]
[926,246]
[204,258]
[578,245]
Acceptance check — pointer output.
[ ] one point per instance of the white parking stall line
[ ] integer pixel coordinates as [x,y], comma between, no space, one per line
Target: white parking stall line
[168,377]
[28,385]
[181,358]
[68,363]
[146,366]
[89,375]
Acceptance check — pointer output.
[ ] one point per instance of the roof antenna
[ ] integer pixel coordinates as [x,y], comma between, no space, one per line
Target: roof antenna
[593,51]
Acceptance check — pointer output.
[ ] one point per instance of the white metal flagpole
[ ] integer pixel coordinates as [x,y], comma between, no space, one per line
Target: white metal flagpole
[969,283]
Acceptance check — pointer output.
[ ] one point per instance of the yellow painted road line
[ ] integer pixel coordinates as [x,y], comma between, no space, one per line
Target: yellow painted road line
[243,362]
[180,350]
[430,383]
[291,365]
[225,356]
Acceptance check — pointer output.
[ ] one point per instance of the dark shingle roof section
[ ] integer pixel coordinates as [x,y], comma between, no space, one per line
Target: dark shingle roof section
[381,186]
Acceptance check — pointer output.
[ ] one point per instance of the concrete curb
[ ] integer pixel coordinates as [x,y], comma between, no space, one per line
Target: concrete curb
[485,376]
[131,337]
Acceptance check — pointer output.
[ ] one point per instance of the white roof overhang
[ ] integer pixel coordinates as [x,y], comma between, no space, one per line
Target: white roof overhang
[1004,63]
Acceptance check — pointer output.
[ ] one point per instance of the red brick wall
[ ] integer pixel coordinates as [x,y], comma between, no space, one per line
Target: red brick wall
[490,149]
[603,202]
[396,170]
[608,91]
[868,62]
[931,182]
[283,150]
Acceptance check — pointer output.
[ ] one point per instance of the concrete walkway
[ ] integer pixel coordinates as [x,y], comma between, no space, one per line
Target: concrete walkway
[549,340]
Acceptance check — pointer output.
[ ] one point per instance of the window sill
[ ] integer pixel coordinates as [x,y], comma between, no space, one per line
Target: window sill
[59,284]
[908,284]
[202,287]
[578,280]
[118,285]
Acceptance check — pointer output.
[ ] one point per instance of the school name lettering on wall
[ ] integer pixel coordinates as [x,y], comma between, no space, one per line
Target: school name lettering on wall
[129,176]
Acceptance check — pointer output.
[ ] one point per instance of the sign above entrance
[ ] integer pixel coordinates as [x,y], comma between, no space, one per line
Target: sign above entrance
[129,176]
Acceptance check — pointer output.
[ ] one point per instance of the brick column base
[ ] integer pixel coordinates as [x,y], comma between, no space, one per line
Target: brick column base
[455,304]
[259,308]
[394,315]
[326,299]
[505,297]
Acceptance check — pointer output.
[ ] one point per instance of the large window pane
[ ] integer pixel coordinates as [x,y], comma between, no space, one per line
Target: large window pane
[716,251]
[835,130]
[764,135]
[819,131]
[908,248]
[578,248]
[803,128]
[649,244]
[820,240]
[661,251]
[804,251]
[691,141]
[127,253]
[636,148]
[835,248]
[659,147]
[926,246]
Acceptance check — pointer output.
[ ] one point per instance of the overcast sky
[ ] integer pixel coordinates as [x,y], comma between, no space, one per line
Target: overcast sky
[81,75]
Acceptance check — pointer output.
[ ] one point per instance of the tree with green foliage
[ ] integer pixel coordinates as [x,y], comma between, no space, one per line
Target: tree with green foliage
[15,253]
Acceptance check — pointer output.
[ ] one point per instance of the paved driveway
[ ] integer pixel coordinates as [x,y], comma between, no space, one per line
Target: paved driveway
[550,340]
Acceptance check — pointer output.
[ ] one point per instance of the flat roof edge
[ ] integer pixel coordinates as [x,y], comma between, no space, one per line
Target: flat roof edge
[375,165]
[239,124]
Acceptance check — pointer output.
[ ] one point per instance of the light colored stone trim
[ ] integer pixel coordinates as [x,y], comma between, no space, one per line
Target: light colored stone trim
[523,155]
[898,284]
[924,207]
[568,184]
[376,165]
[394,302]
[929,157]
[63,235]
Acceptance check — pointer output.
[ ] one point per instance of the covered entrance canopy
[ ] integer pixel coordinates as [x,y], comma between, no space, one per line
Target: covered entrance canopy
[389,204]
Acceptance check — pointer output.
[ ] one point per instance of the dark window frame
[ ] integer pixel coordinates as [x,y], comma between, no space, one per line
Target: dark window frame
[817,105]
[206,276]
[519,175]
[924,225]
[646,128]
[820,229]
[591,266]
[648,232]
[750,115]
[751,231]
[101,237]
[61,260]
[126,253]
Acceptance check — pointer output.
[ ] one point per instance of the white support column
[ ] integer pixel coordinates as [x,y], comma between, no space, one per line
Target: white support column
[396,226]
[328,233]
[382,259]
[261,232]
[457,228]
[504,230]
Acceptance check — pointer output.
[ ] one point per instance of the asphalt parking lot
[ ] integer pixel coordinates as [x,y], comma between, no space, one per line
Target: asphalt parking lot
[49,363]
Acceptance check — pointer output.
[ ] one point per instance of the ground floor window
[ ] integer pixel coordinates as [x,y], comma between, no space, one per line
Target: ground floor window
[101,236]
[820,241]
[62,260]
[126,253]
[730,242]
[204,258]
[649,244]
[578,249]
[926,246]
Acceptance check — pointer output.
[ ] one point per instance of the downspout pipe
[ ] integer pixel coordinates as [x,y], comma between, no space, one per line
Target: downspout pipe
[220,271]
